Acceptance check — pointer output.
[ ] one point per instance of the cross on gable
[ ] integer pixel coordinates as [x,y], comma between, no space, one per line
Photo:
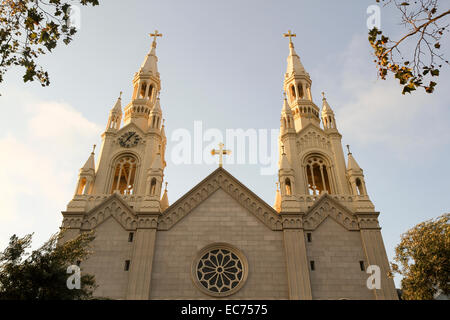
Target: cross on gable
[221,152]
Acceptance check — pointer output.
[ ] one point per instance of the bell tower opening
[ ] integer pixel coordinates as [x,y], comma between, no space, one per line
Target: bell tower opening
[317,172]
[124,175]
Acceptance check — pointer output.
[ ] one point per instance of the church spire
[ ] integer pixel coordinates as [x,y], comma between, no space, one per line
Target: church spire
[355,175]
[164,203]
[90,163]
[147,85]
[297,85]
[150,62]
[328,119]
[351,163]
[287,119]
[86,176]
[277,204]
[294,65]
[115,115]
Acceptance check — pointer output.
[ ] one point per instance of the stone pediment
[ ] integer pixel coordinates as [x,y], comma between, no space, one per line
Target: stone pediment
[326,207]
[222,179]
[113,207]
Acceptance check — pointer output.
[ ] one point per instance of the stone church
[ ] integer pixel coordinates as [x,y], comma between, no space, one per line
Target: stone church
[220,240]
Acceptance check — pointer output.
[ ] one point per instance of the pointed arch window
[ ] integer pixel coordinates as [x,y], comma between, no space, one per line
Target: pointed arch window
[318,173]
[124,175]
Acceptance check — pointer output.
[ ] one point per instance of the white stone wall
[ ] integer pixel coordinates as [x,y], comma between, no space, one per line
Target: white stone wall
[219,219]
[336,253]
[111,248]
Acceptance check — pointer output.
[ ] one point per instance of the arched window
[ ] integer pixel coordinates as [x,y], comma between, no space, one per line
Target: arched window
[318,174]
[300,91]
[359,187]
[288,187]
[150,92]
[293,96]
[81,186]
[143,88]
[153,187]
[124,175]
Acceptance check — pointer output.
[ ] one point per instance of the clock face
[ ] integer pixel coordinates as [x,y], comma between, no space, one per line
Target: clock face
[129,139]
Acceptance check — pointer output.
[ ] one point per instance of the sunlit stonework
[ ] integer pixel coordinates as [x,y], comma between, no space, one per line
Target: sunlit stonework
[313,243]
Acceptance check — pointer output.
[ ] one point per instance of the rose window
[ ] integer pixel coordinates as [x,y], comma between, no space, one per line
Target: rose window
[220,270]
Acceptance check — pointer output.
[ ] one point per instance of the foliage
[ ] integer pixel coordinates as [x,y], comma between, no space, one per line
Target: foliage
[42,275]
[425,26]
[30,28]
[423,259]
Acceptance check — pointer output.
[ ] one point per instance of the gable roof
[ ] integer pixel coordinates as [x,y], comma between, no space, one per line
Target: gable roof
[326,207]
[114,206]
[220,178]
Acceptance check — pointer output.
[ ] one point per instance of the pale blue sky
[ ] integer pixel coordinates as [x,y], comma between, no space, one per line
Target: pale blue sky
[221,63]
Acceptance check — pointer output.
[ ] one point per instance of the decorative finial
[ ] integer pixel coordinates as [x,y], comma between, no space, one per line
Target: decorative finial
[164,122]
[166,186]
[284,94]
[290,35]
[277,186]
[93,148]
[348,148]
[120,95]
[155,35]
[323,95]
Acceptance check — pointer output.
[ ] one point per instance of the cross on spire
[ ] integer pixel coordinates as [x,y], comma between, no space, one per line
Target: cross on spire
[155,35]
[289,35]
[221,152]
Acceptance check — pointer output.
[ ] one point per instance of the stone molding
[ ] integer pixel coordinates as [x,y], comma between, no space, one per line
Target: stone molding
[222,179]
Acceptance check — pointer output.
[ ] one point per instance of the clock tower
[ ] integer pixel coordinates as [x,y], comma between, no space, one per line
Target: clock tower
[129,170]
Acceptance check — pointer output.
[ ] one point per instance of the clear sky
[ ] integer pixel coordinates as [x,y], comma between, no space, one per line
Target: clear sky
[221,63]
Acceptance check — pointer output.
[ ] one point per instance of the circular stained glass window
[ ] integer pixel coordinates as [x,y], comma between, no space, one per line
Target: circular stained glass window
[219,270]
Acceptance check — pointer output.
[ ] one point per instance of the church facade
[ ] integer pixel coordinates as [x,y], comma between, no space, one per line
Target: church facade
[220,240]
